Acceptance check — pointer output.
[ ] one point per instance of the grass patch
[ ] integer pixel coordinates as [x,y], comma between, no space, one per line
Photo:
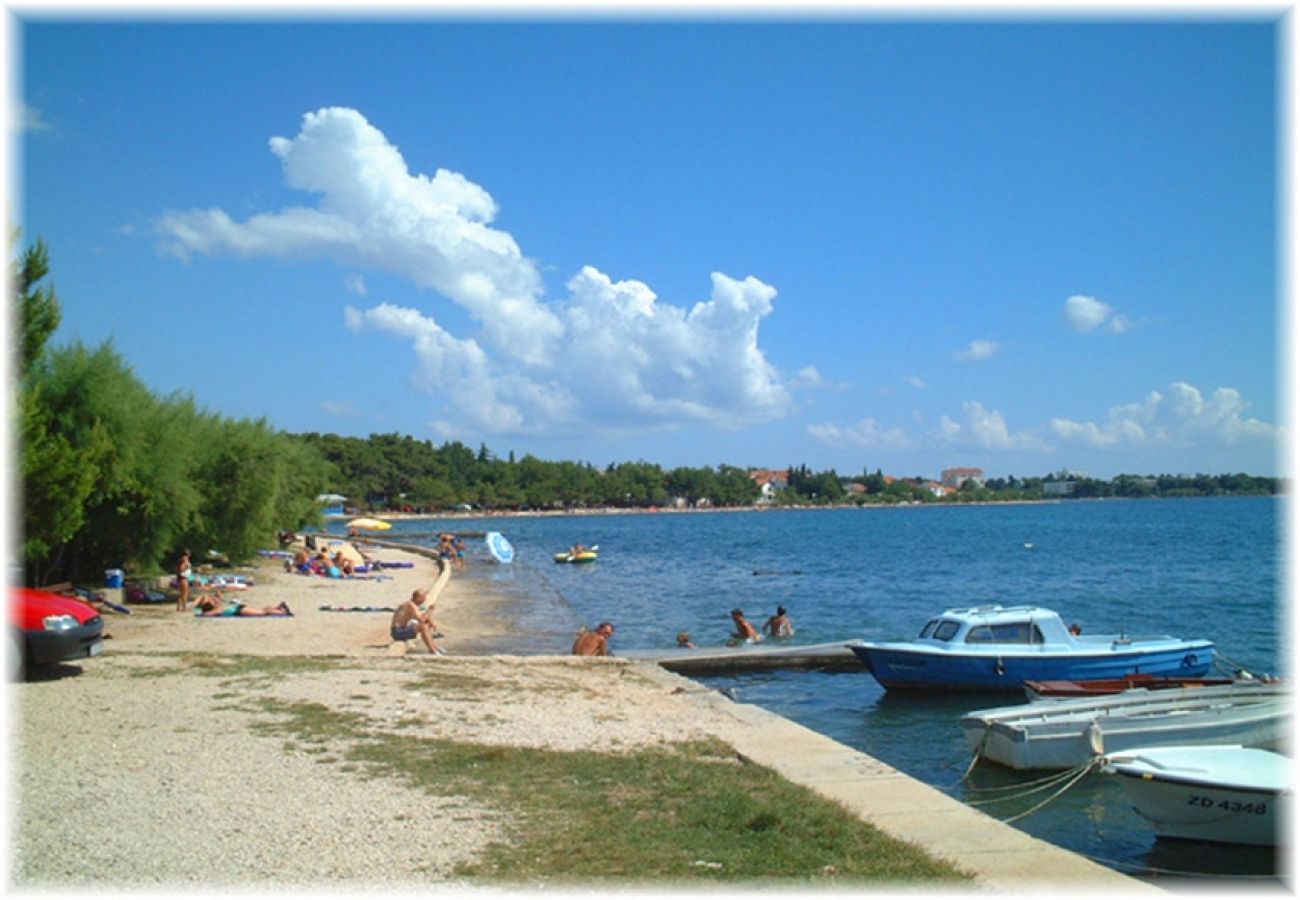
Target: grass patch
[449,684]
[234,666]
[687,813]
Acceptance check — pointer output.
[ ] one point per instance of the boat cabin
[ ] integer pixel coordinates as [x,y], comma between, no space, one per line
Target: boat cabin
[984,625]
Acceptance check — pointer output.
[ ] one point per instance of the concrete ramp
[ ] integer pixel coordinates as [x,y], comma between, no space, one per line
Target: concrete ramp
[749,658]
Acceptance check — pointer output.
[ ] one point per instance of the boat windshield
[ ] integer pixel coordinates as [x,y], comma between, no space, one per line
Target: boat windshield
[1006,633]
[940,629]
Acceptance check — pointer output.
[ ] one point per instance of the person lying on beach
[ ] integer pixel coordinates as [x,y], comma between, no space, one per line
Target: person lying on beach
[409,621]
[779,625]
[594,643]
[744,632]
[214,605]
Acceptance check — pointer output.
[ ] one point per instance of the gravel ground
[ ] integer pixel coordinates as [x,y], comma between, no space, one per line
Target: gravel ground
[135,770]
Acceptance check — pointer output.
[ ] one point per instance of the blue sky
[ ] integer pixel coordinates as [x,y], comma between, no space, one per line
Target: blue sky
[851,242]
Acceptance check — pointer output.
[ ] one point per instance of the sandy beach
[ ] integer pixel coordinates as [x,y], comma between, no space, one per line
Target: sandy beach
[150,766]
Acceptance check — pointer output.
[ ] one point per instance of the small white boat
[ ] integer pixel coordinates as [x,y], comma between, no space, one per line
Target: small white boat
[1226,794]
[1062,734]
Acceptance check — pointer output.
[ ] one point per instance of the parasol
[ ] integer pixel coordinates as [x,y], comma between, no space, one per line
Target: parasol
[499,547]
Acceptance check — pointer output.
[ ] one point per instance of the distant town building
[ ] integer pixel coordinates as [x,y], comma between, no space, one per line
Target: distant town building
[769,482]
[1058,487]
[955,478]
[1063,483]
[940,490]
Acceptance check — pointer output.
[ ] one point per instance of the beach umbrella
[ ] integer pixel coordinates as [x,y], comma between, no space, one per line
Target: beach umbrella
[370,524]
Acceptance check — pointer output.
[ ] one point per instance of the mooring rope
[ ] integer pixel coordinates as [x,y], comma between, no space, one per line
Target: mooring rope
[1027,788]
[1082,771]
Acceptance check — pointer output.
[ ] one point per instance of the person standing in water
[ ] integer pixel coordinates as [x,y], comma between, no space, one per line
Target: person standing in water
[745,632]
[779,625]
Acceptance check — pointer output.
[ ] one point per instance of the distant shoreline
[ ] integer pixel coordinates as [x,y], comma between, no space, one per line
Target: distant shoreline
[620,511]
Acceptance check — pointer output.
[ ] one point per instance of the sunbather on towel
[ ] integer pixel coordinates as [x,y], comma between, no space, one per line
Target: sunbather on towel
[214,605]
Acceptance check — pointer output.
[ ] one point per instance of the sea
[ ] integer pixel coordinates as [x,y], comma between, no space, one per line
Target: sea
[1196,567]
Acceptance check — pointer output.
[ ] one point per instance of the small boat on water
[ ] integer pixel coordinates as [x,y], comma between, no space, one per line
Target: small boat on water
[1096,687]
[995,648]
[1063,734]
[579,556]
[1225,794]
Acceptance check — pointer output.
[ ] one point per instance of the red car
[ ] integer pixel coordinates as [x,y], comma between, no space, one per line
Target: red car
[47,628]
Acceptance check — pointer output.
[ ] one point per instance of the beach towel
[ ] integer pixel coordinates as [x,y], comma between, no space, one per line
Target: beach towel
[328,608]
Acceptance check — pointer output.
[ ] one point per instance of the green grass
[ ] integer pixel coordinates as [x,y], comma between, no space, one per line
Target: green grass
[687,813]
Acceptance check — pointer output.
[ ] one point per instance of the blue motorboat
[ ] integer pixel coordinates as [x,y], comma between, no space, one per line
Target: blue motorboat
[987,648]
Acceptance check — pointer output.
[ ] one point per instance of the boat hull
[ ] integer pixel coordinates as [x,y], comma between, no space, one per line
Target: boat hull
[1036,690]
[903,667]
[1175,791]
[1064,734]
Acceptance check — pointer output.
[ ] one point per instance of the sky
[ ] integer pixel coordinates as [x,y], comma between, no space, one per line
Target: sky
[860,241]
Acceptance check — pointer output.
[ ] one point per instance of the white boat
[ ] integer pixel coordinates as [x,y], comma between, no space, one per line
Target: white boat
[1062,734]
[1226,794]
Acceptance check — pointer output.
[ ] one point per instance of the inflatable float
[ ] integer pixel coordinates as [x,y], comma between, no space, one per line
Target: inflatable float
[585,556]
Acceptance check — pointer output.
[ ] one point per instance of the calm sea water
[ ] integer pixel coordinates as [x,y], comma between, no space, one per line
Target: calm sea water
[1194,568]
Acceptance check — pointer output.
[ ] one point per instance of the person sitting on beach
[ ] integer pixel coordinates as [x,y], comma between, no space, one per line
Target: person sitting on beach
[779,625]
[214,605]
[409,621]
[343,564]
[301,562]
[745,632]
[594,643]
[684,640]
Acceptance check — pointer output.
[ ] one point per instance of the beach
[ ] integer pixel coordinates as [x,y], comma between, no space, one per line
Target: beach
[179,757]
[147,767]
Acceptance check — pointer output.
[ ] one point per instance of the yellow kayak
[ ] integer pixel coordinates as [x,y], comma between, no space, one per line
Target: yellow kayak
[583,557]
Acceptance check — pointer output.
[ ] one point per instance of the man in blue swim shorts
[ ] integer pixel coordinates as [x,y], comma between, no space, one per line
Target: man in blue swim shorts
[409,621]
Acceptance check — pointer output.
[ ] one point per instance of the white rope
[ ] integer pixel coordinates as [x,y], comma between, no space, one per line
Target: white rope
[1083,770]
[1028,788]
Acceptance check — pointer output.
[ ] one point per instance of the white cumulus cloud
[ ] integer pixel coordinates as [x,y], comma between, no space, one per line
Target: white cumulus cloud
[984,428]
[1084,314]
[610,354]
[1183,416]
[977,350]
[867,433]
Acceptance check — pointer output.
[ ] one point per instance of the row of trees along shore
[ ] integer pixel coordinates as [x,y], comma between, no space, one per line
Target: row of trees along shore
[115,476]
[391,472]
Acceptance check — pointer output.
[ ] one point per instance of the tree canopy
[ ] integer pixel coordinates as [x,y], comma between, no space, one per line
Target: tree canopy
[113,475]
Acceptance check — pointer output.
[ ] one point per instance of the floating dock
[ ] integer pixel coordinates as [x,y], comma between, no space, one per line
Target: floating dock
[832,657]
